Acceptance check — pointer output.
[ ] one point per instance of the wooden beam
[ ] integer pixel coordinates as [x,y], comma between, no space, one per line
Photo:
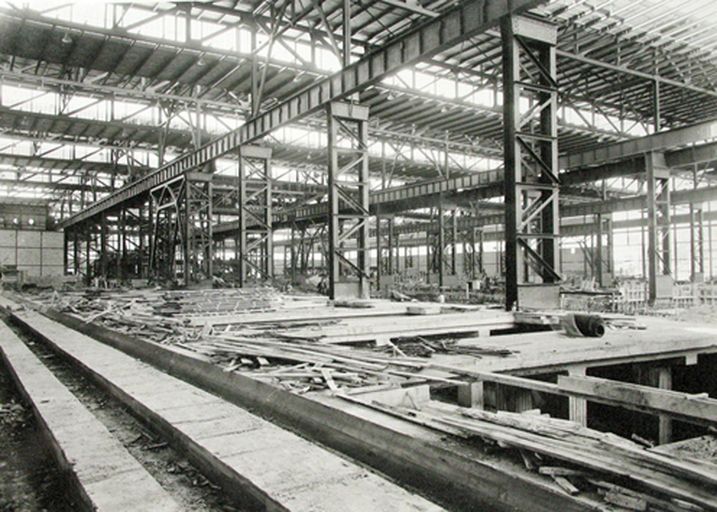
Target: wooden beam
[664,402]
[577,407]
[681,406]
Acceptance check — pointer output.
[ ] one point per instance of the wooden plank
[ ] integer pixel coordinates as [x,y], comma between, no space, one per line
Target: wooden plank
[552,351]
[307,314]
[369,329]
[671,403]
[682,406]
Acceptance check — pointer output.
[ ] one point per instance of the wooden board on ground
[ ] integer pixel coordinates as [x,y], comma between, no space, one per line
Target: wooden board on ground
[543,352]
[393,327]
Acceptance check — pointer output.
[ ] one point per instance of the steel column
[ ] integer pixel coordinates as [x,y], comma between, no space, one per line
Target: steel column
[199,252]
[531,162]
[103,245]
[440,256]
[348,199]
[697,237]
[454,243]
[182,218]
[603,254]
[384,251]
[88,255]
[658,227]
[76,251]
[66,252]
[256,251]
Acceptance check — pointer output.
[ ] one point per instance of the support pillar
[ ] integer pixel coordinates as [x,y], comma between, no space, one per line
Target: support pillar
[440,249]
[578,407]
[454,243]
[697,237]
[199,251]
[256,253]
[477,250]
[603,251]
[294,255]
[66,252]
[429,257]
[472,394]
[658,228]
[76,251]
[391,247]
[385,238]
[348,199]
[181,222]
[531,163]
[103,245]
[664,381]
[88,255]
[121,243]
[145,235]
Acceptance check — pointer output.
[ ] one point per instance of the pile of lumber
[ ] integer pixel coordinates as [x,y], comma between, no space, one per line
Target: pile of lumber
[159,315]
[307,366]
[136,313]
[576,458]
[425,347]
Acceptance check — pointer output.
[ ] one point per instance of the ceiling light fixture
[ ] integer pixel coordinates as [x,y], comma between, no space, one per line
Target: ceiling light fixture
[66,39]
[201,61]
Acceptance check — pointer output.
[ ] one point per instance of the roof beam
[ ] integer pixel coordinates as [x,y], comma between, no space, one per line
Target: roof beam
[660,141]
[424,41]
[634,72]
[566,211]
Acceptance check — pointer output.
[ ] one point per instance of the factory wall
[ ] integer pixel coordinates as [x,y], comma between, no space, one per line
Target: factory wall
[37,253]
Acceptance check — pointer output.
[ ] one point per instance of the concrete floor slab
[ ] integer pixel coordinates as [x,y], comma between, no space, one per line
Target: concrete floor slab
[278,468]
[106,476]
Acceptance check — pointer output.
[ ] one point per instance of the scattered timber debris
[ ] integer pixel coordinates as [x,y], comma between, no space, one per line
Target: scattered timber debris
[577,459]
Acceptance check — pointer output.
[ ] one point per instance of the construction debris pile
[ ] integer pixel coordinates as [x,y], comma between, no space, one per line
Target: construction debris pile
[161,316]
[307,366]
[303,345]
[577,458]
[295,351]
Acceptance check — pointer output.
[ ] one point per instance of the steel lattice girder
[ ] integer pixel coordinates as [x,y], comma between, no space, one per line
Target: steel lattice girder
[447,30]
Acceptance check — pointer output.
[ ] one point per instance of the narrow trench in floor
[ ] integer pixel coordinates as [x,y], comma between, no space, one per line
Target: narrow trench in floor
[30,480]
[186,484]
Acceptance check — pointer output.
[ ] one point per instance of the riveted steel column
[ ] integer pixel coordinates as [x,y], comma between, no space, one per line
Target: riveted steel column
[440,249]
[697,237]
[199,246]
[256,251]
[103,245]
[658,227]
[531,162]
[348,199]
[76,251]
